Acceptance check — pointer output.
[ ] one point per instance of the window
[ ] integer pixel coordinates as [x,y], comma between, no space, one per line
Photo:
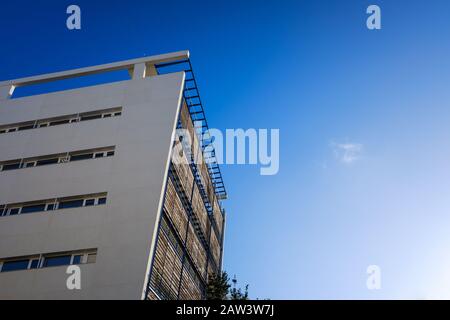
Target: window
[81,157]
[92,117]
[56,159]
[11,166]
[56,123]
[14,211]
[47,162]
[77,259]
[53,204]
[26,127]
[57,261]
[41,123]
[33,208]
[48,260]
[15,265]
[71,204]
[34,263]
[90,202]
[30,164]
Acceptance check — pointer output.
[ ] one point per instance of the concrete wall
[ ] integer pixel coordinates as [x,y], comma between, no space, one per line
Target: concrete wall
[123,229]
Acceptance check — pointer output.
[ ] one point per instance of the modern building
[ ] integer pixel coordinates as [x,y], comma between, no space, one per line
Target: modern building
[87,179]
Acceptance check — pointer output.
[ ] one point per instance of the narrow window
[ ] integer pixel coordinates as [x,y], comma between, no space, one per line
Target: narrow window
[77,259]
[50,206]
[81,157]
[2,131]
[91,117]
[99,155]
[55,123]
[11,166]
[26,127]
[110,153]
[47,162]
[101,201]
[57,261]
[34,264]
[117,114]
[33,208]
[90,202]
[30,164]
[70,204]
[15,265]
[14,211]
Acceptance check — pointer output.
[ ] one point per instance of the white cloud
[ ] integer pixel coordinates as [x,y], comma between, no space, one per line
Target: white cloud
[347,153]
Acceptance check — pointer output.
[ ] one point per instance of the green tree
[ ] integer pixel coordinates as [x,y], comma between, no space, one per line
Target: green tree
[236,293]
[218,287]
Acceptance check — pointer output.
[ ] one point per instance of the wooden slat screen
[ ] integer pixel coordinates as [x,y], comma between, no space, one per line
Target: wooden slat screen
[175,210]
[196,251]
[200,211]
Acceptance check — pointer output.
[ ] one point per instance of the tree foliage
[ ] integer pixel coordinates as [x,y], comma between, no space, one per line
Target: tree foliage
[236,293]
[219,288]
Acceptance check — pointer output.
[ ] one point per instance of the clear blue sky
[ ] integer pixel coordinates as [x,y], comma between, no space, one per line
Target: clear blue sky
[363,117]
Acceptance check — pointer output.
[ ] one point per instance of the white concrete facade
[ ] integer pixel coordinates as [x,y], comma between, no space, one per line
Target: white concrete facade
[123,230]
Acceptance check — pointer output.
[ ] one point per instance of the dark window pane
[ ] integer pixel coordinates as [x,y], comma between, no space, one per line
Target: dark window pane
[47,161]
[118,114]
[99,155]
[51,206]
[110,153]
[13,212]
[26,127]
[81,157]
[55,123]
[102,201]
[15,265]
[57,261]
[108,115]
[11,166]
[29,164]
[34,208]
[76,259]
[2,131]
[70,204]
[90,202]
[97,116]
[34,264]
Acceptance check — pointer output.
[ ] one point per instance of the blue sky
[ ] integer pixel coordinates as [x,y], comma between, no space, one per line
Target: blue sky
[363,118]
